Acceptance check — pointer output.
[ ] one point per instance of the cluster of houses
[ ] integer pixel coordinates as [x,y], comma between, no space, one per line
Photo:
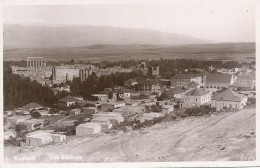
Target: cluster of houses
[114,105]
[213,89]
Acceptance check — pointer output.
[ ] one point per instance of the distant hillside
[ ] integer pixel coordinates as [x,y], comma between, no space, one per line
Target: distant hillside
[221,51]
[19,36]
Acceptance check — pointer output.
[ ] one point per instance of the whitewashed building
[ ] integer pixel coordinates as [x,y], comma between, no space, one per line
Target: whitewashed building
[42,137]
[112,105]
[88,129]
[228,99]
[219,81]
[195,98]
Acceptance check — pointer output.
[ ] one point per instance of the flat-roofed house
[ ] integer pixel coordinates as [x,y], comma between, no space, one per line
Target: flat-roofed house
[38,139]
[42,137]
[164,102]
[93,103]
[219,81]
[66,123]
[89,110]
[129,110]
[67,101]
[228,99]
[104,122]
[82,103]
[100,97]
[88,129]
[110,115]
[112,105]
[149,116]
[195,98]
[74,112]
[166,109]
[58,137]
[121,93]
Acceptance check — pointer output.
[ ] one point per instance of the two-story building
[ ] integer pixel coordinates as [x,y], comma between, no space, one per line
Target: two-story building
[195,98]
[151,85]
[219,80]
[182,80]
[228,99]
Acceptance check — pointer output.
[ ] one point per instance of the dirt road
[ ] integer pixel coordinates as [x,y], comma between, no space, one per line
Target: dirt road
[224,136]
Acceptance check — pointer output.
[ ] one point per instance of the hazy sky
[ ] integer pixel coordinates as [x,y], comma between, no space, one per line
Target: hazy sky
[214,20]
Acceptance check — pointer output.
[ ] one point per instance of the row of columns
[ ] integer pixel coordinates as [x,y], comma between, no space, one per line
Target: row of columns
[85,73]
[34,64]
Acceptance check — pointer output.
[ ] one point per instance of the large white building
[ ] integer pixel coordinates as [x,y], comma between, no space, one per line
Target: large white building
[228,99]
[219,81]
[182,80]
[195,98]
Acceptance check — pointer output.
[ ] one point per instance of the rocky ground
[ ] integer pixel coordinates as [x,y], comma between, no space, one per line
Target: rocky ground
[226,136]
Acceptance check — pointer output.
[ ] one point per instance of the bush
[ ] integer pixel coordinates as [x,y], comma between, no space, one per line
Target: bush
[170,117]
[35,114]
[12,142]
[251,100]
[20,127]
[199,111]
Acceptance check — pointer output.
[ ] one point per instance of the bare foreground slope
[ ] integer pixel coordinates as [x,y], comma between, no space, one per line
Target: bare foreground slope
[223,136]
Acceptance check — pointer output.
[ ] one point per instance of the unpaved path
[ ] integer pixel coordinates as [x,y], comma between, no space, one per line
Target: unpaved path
[225,136]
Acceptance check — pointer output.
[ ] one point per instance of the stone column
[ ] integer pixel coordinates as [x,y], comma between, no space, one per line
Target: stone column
[30,65]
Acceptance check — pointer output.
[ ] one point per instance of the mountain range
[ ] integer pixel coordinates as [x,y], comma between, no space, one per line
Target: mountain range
[38,36]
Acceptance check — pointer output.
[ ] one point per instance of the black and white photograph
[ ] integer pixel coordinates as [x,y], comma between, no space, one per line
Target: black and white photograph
[129,82]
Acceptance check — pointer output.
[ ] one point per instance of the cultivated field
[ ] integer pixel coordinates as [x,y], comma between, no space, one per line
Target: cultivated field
[226,136]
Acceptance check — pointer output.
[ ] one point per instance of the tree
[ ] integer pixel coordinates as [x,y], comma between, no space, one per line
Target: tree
[36,114]
[37,125]
[231,65]
[162,97]
[20,127]
[72,61]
